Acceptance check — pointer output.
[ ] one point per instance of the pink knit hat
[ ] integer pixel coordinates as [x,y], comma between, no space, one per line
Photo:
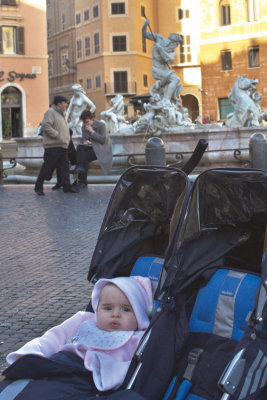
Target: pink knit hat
[138,291]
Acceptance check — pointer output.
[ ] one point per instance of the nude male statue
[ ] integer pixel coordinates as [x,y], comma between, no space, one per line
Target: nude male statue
[162,54]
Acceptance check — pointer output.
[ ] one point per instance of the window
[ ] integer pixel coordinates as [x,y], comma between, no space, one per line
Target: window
[89,83]
[8,2]
[145,80]
[86,15]
[225,107]
[78,18]
[144,48]
[143,11]
[253,10]
[95,12]
[254,57]
[117,8]
[64,61]
[87,45]
[63,21]
[185,50]
[98,82]
[79,48]
[183,13]
[12,40]
[225,13]
[50,65]
[226,57]
[119,43]
[48,28]
[96,43]
[120,82]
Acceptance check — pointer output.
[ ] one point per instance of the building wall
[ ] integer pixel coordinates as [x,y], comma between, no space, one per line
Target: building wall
[29,74]
[238,38]
[136,61]
[61,39]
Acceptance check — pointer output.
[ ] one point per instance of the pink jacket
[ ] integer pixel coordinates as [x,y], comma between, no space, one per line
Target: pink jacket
[106,354]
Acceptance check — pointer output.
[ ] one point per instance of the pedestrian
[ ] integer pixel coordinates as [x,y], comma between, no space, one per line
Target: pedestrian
[72,159]
[56,139]
[95,146]
[89,352]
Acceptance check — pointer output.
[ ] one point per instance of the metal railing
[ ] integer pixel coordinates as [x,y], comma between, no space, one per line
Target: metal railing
[131,158]
[124,88]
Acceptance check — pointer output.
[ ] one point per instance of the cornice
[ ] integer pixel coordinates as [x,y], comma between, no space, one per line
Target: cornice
[8,17]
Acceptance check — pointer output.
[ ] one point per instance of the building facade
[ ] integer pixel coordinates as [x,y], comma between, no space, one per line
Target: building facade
[99,44]
[23,70]
[112,57]
[61,33]
[233,42]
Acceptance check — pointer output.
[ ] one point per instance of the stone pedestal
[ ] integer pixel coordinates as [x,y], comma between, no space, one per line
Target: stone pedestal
[227,148]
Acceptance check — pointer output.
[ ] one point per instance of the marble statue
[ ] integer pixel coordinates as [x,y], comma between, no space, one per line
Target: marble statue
[246,103]
[160,117]
[78,103]
[164,112]
[114,116]
[163,52]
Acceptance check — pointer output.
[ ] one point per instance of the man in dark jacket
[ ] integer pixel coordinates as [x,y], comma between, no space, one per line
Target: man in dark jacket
[56,139]
[95,146]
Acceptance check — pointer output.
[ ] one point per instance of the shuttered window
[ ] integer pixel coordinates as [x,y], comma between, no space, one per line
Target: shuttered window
[8,2]
[12,40]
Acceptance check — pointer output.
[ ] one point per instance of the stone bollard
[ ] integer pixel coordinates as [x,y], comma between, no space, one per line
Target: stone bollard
[155,152]
[258,151]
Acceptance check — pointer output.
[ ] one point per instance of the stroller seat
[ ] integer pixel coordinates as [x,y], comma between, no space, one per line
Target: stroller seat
[217,323]
[150,267]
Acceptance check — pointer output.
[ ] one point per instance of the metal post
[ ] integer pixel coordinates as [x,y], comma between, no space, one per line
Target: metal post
[155,152]
[258,151]
[1,167]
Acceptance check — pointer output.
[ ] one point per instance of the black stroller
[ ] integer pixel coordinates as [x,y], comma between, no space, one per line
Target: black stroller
[209,337]
[204,248]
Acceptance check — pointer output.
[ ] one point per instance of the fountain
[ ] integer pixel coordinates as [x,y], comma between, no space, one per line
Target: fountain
[165,116]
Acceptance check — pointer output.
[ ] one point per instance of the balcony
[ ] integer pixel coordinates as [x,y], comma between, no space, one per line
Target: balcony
[121,87]
[12,3]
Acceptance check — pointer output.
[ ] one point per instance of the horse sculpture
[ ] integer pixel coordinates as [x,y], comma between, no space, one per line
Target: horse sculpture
[246,110]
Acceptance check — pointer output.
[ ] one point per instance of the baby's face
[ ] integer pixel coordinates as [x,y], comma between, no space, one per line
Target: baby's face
[114,311]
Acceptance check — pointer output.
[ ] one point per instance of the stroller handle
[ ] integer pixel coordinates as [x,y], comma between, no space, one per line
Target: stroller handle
[195,157]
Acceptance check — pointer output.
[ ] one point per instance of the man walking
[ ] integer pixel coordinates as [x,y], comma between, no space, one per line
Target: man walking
[56,138]
[95,146]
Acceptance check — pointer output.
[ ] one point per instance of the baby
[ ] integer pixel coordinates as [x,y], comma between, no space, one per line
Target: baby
[105,340]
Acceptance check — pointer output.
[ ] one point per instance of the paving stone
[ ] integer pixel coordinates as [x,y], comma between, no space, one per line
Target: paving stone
[45,251]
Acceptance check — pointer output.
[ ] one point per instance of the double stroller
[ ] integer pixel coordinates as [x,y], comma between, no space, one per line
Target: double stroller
[203,246]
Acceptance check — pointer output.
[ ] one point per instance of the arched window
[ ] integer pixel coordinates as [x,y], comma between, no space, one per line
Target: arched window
[11,112]
[225,12]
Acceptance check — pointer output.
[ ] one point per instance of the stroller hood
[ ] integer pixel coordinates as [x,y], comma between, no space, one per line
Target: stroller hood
[224,225]
[139,218]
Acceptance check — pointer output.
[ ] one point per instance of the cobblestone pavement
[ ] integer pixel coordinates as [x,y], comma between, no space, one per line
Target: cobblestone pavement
[45,251]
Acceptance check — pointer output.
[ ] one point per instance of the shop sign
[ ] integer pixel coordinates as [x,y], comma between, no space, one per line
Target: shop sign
[13,75]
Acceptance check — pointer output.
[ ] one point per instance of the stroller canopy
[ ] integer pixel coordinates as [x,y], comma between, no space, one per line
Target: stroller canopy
[138,219]
[224,226]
